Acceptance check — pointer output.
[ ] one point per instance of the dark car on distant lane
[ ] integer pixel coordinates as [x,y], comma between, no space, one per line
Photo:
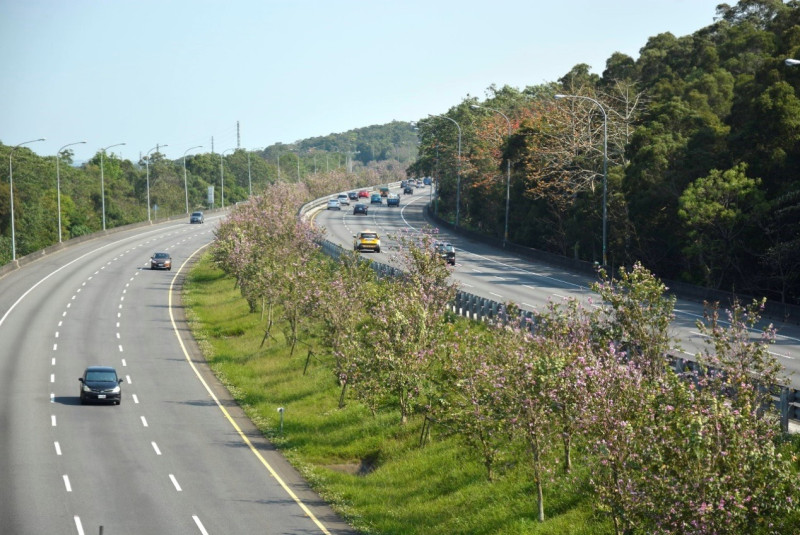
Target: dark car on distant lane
[360,208]
[197,217]
[447,252]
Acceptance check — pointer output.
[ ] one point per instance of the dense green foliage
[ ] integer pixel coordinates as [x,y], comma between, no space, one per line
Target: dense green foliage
[703,135]
[364,156]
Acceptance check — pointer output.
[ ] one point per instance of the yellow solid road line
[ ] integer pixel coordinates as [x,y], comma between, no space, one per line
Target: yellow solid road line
[225,412]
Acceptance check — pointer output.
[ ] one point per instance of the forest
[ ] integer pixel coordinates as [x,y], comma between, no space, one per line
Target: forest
[687,156]
[683,159]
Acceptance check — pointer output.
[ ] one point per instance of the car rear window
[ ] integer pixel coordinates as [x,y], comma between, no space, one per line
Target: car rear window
[368,236]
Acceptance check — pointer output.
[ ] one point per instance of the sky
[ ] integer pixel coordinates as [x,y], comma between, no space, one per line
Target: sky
[177,73]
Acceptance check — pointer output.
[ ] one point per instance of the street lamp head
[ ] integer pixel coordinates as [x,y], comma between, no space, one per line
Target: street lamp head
[791,62]
[559,95]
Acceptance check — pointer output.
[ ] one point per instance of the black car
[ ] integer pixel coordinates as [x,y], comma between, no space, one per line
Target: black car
[100,384]
[360,208]
[352,195]
[408,190]
[447,252]
[161,261]
[197,217]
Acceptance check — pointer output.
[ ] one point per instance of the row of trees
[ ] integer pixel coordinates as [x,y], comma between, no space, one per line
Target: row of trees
[702,137]
[38,183]
[666,454]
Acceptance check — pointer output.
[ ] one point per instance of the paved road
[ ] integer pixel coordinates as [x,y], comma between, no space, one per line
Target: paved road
[177,456]
[493,273]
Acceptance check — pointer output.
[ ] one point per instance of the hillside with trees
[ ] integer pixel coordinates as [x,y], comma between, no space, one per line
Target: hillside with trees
[702,155]
[363,156]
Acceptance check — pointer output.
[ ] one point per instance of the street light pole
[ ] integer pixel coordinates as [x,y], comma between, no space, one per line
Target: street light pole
[11,193]
[605,167]
[222,176]
[102,181]
[58,183]
[185,181]
[147,165]
[508,179]
[458,167]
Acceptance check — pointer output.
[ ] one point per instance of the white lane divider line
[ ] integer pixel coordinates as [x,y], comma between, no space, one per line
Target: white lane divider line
[58,448]
[135,398]
[66,483]
[175,482]
[144,421]
[52,420]
[78,525]
[155,447]
[199,525]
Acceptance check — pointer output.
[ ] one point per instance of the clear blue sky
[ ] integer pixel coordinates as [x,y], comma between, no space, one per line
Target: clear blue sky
[178,72]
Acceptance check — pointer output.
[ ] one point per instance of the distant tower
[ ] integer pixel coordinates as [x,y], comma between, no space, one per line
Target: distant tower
[238,136]
[212,144]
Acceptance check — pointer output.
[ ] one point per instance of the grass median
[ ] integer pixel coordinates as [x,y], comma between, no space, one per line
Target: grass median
[371,469]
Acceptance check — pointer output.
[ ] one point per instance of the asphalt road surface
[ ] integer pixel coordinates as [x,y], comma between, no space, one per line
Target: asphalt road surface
[177,456]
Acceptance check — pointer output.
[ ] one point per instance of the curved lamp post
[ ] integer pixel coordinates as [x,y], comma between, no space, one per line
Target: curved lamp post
[147,165]
[605,166]
[508,179]
[790,62]
[458,166]
[102,181]
[222,175]
[185,182]
[11,192]
[58,183]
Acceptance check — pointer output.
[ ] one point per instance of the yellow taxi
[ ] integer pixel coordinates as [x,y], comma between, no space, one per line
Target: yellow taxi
[367,240]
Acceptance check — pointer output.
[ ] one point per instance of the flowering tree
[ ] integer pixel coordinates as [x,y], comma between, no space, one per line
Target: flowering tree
[405,327]
[351,292]
[638,316]
[568,327]
[469,401]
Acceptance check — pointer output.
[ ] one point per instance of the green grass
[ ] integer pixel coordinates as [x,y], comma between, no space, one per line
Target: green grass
[370,468]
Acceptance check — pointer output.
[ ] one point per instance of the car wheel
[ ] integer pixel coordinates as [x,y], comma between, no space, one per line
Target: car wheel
[377,249]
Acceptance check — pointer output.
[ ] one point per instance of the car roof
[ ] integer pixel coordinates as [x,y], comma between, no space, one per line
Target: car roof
[159,253]
[100,369]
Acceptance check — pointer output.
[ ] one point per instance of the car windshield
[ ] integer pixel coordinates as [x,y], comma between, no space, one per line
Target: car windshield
[161,255]
[369,236]
[109,377]
[197,214]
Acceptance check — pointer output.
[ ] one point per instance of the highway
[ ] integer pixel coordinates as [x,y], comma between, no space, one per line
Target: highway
[492,273]
[177,455]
